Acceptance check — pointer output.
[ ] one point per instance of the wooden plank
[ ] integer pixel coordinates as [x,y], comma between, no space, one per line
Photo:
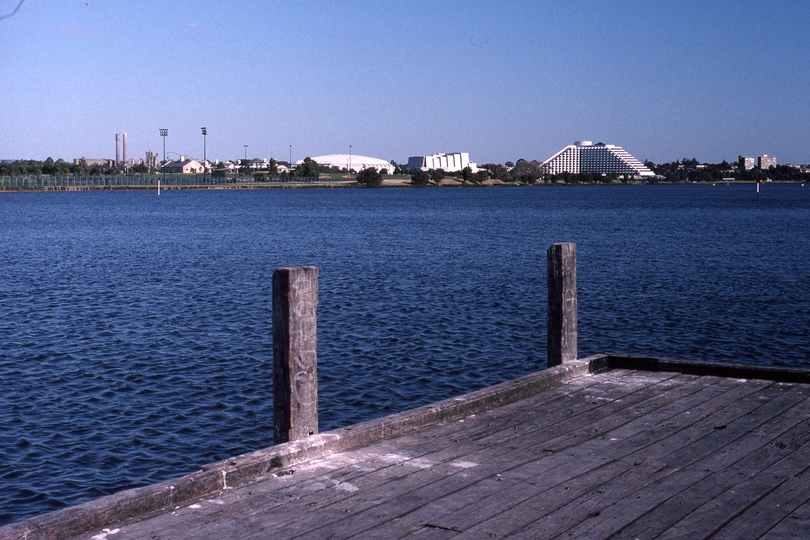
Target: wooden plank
[299,489]
[463,509]
[770,496]
[653,442]
[626,448]
[795,525]
[502,419]
[635,426]
[386,493]
[554,469]
[295,353]
[759,448]
[736,502]
[679,419]
[685,467]
[583,412]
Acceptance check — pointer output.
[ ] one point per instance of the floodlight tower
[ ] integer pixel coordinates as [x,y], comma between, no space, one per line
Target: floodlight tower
[205,161]
[164,132]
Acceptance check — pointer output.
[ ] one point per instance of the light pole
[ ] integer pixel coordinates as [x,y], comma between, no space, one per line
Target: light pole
[164,132]
[291,168]
[246,161]
[350,159]
[205,161]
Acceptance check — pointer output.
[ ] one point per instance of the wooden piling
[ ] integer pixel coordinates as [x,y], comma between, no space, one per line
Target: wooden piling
[295,359]
[562,303]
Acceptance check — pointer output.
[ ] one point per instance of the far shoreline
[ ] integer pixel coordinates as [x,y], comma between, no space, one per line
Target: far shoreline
[345,184]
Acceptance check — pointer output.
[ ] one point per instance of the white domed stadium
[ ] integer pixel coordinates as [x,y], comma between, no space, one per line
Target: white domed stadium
[346,161]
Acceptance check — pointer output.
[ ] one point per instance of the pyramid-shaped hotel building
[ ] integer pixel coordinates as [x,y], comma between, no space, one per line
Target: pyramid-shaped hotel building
[586,157]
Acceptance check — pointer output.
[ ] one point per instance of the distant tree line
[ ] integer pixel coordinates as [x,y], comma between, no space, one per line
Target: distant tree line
[690,170]
[31,167]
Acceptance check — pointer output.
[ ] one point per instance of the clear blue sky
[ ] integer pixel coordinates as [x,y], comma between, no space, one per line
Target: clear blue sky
[501,80]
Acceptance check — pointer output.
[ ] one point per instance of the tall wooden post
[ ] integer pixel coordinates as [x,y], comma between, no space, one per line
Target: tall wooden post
[562,303]
[295,357]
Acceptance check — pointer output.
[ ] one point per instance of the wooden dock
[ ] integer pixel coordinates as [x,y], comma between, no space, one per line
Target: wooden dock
[610,446]
[606,447]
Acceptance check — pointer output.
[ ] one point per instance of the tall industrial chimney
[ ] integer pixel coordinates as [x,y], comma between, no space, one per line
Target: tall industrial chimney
[117,148]
[125,151]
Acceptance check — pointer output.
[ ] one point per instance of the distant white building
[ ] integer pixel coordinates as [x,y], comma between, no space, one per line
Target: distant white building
[584,156]
[186,166]
[449,162]
[766,161]
[745,163]
[349,161]
[258,164]
[152,160]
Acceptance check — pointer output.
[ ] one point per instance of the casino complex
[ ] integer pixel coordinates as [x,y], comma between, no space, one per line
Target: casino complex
[586,157]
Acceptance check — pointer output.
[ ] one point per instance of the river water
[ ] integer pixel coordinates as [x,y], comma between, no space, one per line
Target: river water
[135,329]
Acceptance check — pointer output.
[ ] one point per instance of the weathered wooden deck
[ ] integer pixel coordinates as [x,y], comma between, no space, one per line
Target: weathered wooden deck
[619,453]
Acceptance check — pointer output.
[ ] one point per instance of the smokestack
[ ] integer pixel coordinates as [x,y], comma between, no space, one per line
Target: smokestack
[125,150]
[117,148]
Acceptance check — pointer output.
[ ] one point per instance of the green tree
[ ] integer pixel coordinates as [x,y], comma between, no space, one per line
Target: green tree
[272,167]
[420,177]
[79,169]
[480,177]
[47,167]
[527,172]
[498,172]
[219,170]
[244,167]
[60,167]
[466,174]
[436,176]
[369,177]
[309,167]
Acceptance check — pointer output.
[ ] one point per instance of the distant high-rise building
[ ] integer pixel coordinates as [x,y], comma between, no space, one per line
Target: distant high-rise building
[584,156]
[152,160]
[124,137]
[765,161]
[745,163]
[117,148]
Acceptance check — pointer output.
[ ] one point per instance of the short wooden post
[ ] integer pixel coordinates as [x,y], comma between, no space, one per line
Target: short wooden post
[295,357]
[562,303]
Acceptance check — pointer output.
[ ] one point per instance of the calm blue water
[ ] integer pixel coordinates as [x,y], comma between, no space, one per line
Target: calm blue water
[135,329]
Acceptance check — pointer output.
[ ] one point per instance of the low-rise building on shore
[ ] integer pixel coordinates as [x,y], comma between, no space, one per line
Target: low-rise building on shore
[187,166]
[452,162]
